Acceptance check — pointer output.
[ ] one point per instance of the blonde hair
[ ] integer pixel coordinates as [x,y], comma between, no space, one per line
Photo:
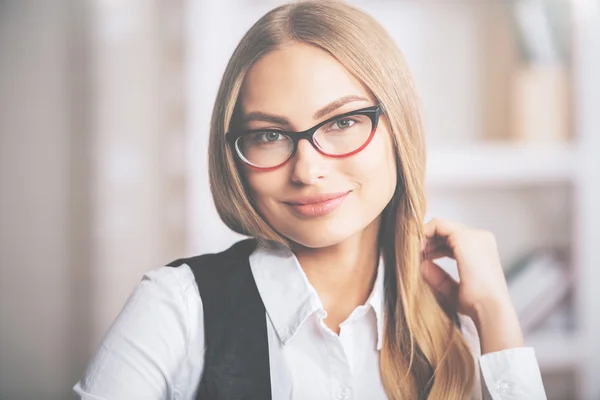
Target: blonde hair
[424,354]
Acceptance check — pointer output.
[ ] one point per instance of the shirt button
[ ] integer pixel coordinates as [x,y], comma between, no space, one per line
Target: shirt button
[343,393]
[502,386]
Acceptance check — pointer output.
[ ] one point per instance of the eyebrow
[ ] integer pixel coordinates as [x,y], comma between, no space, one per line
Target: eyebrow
[328,109]
[334,105]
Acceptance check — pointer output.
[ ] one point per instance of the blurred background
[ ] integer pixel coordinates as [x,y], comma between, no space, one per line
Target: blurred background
[104,114]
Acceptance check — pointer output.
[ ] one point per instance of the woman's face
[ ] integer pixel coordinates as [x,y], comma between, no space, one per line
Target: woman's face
[291,86]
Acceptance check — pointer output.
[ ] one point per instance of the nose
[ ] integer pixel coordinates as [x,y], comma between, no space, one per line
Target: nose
[308,164]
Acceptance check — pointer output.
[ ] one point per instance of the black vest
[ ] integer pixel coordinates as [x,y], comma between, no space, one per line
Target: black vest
[236,361]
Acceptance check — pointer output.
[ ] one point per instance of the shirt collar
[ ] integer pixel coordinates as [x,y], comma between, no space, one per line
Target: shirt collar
[290,299]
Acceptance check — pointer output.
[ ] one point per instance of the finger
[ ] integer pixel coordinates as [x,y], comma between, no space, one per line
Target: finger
[438,252]
[436,245]
[432,242]
[439,280]
[441,227]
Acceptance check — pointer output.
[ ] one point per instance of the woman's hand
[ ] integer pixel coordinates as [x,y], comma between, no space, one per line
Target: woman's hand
[482,293]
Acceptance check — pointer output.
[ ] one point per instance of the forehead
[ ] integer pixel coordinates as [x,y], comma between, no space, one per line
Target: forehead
[296,79]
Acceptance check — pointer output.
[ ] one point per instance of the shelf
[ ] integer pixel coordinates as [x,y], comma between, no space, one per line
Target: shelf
[493,164]
[555,350]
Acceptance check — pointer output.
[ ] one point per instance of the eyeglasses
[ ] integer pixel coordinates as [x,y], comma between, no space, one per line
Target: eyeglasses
[339,136]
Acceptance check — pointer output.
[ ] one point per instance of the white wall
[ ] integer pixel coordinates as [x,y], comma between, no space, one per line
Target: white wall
[213,30]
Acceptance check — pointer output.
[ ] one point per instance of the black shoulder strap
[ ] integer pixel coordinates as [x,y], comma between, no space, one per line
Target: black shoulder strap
[236,361]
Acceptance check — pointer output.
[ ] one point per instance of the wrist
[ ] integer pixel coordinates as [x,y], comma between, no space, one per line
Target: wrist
[497,325]
[490,311]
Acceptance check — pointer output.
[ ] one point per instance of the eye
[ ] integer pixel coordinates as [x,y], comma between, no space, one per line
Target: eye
[269,137]
[266,137]
[343,123]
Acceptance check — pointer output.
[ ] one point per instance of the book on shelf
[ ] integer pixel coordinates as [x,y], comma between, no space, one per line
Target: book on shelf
[538,284]
[542,29]
[540,88]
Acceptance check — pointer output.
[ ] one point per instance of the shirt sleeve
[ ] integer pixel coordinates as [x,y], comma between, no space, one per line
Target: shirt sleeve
[503,375]
[146,352]
[512,374]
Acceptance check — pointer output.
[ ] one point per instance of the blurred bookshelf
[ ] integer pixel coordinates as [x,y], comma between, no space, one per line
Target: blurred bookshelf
[500,163]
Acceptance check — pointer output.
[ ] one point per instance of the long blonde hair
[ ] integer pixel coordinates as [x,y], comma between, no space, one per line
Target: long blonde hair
[423,353]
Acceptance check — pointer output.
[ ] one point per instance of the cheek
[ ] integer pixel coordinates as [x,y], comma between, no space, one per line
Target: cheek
[265,186]
[376,166]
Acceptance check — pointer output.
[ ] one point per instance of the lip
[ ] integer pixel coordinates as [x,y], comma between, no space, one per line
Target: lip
[317,205]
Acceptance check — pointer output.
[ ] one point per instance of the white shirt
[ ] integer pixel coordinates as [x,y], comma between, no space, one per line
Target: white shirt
[155,347]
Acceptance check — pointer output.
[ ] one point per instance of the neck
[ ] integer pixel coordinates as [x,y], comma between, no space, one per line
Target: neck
[343,274]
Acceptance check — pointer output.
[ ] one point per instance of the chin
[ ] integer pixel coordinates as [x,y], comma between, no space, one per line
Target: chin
[313,242]
[320,235]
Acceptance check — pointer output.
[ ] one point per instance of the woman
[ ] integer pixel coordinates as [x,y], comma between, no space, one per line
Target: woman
[317,152]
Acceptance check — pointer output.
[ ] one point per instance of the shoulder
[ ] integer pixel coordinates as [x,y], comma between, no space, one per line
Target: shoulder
[166,296]
[227,257]
[167,279]
[141,353]
[217,274]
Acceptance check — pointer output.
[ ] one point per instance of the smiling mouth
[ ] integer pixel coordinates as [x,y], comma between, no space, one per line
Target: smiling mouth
[319,205]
